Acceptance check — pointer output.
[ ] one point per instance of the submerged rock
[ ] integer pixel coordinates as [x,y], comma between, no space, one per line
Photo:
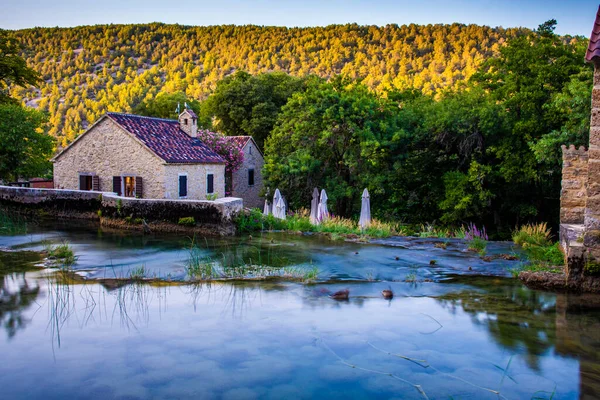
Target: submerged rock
[387,293]
[340,295]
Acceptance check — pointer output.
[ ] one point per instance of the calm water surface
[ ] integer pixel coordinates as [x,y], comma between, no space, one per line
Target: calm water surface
[454,332]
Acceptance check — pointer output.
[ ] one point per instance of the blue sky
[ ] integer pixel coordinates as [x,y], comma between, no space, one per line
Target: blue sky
[574,17]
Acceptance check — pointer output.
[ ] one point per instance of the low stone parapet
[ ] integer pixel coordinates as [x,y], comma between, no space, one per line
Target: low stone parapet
[124,212]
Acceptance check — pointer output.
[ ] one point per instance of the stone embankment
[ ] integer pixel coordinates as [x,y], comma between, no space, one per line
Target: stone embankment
[209,217]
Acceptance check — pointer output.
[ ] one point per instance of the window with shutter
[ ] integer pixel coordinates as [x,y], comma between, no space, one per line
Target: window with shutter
[210,183]
[182,185]
[96,183]
[251,177]
[139,187]
[117,185]
[85,182]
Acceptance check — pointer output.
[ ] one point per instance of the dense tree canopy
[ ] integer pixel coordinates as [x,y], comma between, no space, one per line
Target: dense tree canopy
[165,105]
[24,148]
[13,68]
[488,151]
[334,135]
[243,104]
[89,70]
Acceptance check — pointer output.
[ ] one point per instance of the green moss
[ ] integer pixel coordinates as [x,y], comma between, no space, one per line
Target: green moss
[592,268]
[187,221]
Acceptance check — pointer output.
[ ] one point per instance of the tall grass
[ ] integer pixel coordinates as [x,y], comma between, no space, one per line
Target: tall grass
[533,235]
[300,222]
[543,255]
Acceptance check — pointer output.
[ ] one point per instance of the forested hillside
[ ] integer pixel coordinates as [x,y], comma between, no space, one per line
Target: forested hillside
[89,70]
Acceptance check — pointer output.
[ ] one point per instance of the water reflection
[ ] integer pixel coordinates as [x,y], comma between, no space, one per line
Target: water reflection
[17,292]
[515,317]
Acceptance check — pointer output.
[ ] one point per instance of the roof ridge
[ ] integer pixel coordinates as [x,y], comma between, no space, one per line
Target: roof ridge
[141,116]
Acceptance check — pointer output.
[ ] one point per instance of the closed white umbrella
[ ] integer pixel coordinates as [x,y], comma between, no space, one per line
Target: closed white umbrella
[267,208]
[276,198]
[365,210]
[280,209]
[323,213]
[314,207]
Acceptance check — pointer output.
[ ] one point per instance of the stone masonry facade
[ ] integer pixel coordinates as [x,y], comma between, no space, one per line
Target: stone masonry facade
[106,151]
[253,160]
[196,180]
[592,209]
[574,185]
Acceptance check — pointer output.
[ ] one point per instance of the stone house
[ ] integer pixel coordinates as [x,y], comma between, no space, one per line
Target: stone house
[142,157]
[247,182]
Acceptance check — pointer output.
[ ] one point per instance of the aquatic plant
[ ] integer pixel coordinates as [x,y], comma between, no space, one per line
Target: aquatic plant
[138,274]
[311,274]
[63,253]
[477,244]
[533,235]
[199,265]
[412,277]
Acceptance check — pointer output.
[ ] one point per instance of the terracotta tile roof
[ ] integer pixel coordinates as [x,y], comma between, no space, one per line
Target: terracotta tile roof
[239,140]
[166,140]
[192,113]
[594,46]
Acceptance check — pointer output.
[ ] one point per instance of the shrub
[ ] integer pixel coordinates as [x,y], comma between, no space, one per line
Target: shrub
[187,221]
[212,196]
[533,235]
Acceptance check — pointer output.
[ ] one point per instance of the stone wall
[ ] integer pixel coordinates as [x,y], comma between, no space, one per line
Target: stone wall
[592,210]
[106,151]
[240,188]
[212,217]
[196,180]
[52,202]
[574,180]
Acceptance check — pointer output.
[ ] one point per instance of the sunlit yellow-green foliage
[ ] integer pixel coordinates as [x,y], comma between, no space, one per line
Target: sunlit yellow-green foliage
[93,69]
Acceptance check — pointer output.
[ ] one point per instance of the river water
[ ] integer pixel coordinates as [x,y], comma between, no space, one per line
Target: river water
[457,327]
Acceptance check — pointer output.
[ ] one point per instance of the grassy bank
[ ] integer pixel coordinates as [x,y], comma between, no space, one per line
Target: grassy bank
[543,254]
[337,227]
[340,228]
